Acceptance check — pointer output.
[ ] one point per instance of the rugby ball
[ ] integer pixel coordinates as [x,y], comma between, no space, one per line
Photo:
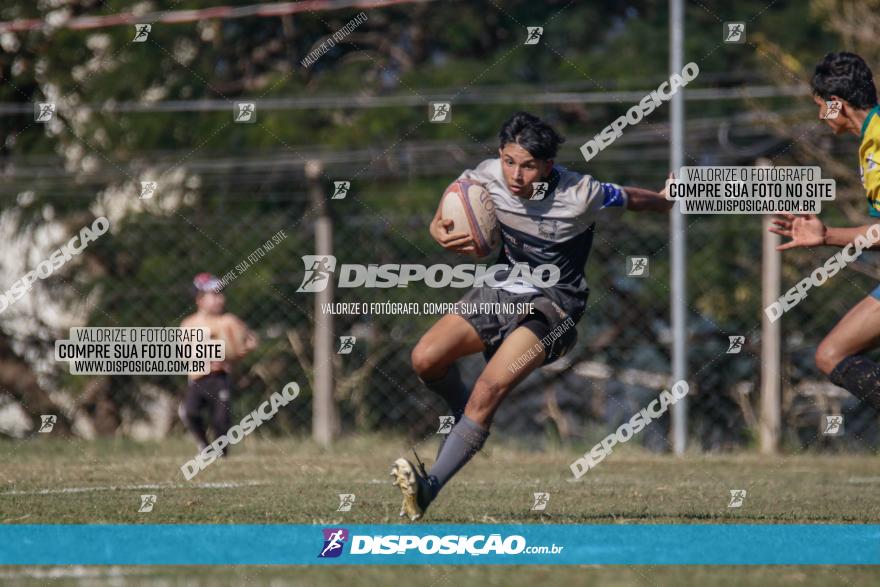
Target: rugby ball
[470,207]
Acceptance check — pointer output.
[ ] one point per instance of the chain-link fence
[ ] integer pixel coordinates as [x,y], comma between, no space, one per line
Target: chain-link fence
[141,276]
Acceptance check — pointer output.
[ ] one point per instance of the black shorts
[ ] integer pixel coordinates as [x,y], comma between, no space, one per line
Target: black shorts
[553,326]
[211,392]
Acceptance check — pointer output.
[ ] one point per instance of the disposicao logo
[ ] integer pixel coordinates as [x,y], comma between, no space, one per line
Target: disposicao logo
[334,540]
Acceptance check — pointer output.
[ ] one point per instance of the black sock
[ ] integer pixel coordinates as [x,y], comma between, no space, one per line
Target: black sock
[451,388]
[465,440]
[861,377]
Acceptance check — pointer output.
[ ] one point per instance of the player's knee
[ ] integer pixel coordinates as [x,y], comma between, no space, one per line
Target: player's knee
[828,356]
[424,362]
[487,393]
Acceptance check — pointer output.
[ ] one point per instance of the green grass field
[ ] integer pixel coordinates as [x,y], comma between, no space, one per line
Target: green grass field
[441,576]
[293,481]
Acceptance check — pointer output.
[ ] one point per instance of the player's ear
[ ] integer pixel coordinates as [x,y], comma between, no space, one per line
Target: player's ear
[843,104]
[548,167]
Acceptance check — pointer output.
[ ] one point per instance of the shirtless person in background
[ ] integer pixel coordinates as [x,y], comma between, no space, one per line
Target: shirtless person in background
[213,389]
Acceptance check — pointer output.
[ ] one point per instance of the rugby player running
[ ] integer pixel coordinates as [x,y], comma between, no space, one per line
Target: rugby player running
[556,229]
[843,84]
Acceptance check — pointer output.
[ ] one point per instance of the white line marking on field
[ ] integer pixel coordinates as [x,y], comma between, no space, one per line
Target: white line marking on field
[863,480]
[216,485]
[70,572]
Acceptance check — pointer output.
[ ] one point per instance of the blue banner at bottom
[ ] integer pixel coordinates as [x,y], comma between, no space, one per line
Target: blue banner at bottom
[487,544]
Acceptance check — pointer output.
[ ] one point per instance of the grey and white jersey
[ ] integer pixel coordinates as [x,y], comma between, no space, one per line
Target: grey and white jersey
[556,230]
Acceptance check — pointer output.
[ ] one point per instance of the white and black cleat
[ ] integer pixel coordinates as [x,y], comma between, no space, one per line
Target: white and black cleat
[414,486]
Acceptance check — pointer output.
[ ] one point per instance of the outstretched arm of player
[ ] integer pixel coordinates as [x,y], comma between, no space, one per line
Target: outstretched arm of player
[808,231]
[840,237]
[460,242]
[642,200]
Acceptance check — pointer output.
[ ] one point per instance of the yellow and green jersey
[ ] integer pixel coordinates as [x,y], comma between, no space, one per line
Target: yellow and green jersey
[869,157]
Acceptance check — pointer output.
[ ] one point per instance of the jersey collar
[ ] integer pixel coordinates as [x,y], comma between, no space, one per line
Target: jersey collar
[871,114]
[552,181]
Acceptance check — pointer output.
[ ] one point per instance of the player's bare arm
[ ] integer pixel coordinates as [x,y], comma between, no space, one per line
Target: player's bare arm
[240,340]
[840,237]
[642,200]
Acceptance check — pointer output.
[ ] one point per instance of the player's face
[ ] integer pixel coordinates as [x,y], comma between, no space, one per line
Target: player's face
[838,123]
[211,303]
[521,169]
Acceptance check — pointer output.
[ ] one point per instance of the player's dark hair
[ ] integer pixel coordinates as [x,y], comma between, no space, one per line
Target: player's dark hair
[532,134]
[847,76]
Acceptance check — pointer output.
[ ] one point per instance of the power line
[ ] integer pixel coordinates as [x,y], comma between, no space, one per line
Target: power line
[500,95]
[409,159]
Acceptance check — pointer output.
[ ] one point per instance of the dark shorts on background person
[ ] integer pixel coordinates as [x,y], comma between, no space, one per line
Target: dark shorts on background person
[547,320]
[211,393]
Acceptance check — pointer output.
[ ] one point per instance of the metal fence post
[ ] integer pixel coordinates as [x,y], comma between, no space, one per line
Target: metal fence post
[678,232]
[325,419]
[771,362]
